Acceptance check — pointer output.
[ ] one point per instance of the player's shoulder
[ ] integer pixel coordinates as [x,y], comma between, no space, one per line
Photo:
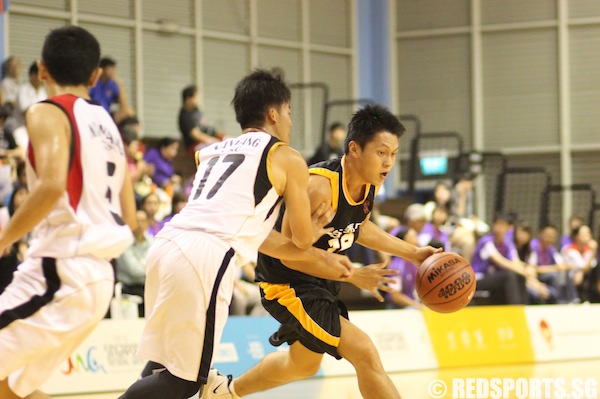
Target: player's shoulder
[45,113]
[285,155]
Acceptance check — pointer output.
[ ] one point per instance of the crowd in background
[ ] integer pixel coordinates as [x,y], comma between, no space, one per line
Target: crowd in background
[513,263]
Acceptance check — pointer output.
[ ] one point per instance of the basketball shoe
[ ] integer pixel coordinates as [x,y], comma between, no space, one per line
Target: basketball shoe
[218,386]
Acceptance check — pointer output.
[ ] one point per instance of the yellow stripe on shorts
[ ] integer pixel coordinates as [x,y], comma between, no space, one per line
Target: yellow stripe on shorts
[286,297]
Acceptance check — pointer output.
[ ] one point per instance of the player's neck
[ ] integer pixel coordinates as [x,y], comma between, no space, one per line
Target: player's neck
[354,181]
[56,90]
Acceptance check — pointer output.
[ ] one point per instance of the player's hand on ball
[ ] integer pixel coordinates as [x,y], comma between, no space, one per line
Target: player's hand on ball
[424,253]
[373,278]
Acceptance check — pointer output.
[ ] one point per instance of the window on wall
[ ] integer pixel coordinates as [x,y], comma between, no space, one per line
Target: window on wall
[164,46]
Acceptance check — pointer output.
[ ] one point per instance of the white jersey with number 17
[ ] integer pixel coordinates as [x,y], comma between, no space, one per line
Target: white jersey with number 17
[232,197]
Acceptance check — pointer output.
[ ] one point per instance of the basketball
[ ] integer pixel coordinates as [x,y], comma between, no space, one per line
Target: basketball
[445,282]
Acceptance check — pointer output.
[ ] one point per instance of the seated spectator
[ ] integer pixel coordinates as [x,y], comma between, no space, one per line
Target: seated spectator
[29,93]
[131,265]
[194,130]
[581,257]
[442,196]
[538,292]
[161,158]
[551,268]
[436,229]
[151,204]
[178,201]
[416,219]
[16,252]
[109,91]
[497,266]
[11,71]
[138,168]
[333,147]
[404,294]
[574,223]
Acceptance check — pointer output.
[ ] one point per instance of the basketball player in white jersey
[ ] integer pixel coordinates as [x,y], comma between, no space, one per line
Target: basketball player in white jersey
[81,209]
[230,214]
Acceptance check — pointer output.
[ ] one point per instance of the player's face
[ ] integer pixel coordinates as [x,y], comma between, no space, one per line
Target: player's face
[284,122]
[378,156]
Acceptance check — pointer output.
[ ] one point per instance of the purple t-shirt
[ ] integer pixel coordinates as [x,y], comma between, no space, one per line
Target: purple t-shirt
[543,256]
[482,262]
[407,276]
[429,232]
[163,169]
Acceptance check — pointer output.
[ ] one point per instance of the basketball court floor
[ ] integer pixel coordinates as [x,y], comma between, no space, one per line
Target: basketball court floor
[414,385]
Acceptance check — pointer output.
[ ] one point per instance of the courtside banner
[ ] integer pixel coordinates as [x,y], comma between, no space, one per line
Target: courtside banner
[400,336]
[245,341]
[564,332]
[105,362]
[480,336]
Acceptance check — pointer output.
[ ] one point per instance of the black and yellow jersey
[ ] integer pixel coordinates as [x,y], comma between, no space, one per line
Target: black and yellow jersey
[349,215]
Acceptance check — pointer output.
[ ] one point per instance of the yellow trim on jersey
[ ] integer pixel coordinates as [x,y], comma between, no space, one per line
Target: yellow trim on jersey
[347,192]
[286,297]
[269,167]
[197,158]
[334,180]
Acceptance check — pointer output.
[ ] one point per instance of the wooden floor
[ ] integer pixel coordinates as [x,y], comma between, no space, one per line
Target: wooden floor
[414,385]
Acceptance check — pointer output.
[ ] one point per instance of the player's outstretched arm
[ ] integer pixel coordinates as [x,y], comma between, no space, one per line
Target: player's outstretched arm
[49,134]
[329,265]
[374,237]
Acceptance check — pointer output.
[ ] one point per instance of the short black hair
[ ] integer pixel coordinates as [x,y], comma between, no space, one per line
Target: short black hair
[128,134]
[71,55]
[508,217]
[370,120]
[255,94]
[107,62]
[335,126]
[166,141]
[188,92]
[129,121]
[33,68]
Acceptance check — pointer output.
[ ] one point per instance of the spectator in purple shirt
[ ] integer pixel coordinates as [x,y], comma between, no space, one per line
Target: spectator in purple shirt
[497,266]
[162,159]
[551,267]
[435,230]
[404,294]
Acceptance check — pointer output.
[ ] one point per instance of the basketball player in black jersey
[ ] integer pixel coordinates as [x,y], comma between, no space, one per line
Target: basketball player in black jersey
[298,295]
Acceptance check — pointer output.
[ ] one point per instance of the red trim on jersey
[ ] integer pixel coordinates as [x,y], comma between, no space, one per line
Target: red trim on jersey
[75,174]
[30,155]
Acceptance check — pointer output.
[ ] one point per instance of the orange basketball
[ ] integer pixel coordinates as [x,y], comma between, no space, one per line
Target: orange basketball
[445,282]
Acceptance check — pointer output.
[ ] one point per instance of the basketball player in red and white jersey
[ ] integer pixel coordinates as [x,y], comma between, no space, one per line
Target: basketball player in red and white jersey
[230,214]
[81,210]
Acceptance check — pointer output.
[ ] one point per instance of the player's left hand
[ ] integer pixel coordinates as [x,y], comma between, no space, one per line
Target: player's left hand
[373,278]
